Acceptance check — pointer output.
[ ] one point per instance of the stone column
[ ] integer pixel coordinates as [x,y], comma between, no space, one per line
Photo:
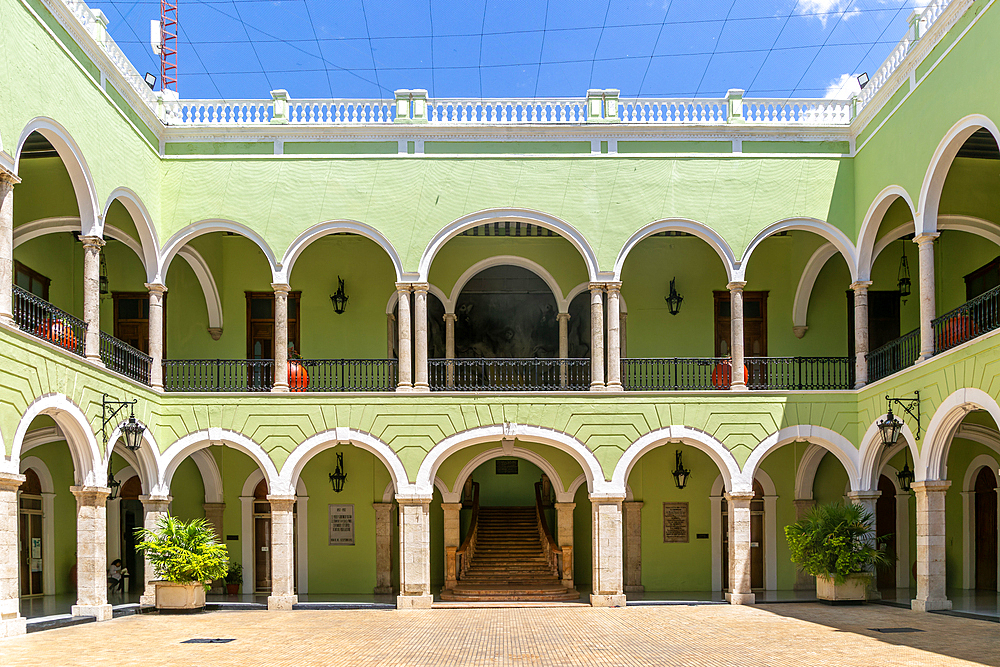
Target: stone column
[11,621]
[607,588]
[563,319]
[154,508]
[156,294]
[739,382]
[282,595]
[597,336]
[449,347]
[420,334]
[931,543]
[452,541]
[383,548]
[928,307]
[860,332]
[91,552]
[564,537]
[92,296]
[803,580]
[867,499]
[614,338]
[739,547]
[7,182]
[414,554]
[280,337]
[633,546]
[403,320]
[214,513]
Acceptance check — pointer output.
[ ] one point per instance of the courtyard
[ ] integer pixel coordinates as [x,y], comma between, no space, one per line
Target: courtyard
[776,634]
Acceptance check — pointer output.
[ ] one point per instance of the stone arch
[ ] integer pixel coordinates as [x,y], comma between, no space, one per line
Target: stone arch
[291,470]
[872,454]
[182,237]
[499,432]
[76,166]
[872,222]
[185,446]
[819,227]
[75,428]
[728,467]
[506,260]
[211,477]
[561,495]
[805,474]
[940,165]
[831,441]
[943,425]
[332,227]
[693,227]
[148,239]
[564,229]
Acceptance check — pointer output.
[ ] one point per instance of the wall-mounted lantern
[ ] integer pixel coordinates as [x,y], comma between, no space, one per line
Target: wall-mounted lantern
[338,476]
[681,473]
[339,298]
[674,299]
[131,429]
[890,427]
[113,484]
[102,280]
[903,283]
[905,476]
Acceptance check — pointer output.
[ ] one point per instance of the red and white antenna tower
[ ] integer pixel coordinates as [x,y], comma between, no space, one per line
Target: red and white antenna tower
[163,39]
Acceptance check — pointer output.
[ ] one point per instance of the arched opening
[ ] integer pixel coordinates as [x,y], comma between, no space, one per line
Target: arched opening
[31,536]
[986,530]
[886,531]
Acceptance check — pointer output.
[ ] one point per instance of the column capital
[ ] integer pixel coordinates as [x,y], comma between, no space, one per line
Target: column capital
[562,317]
[8,177]
[931,486]
[596,287]
[614,286]
[158,500]
[738,496]
[859,285]
[606,498]
[212,506]
[450,317]
[92,242]
[451,507]
[864,495]
[414,500]
[91,495]
[10,481]
[281,288]
[925,237]
[421,287]
[281,503]
[404,287]
[158,288]
[564,506]
[736,285]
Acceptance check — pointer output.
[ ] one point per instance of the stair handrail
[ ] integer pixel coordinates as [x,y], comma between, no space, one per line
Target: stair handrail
[553,552]
[468,548]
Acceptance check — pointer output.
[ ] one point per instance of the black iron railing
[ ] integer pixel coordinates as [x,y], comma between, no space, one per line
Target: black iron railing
[973,318]
[509,374]
[676,373]
[218,374]
[799,373]
[342,374]
[122,358]
[40,318]
[893,356]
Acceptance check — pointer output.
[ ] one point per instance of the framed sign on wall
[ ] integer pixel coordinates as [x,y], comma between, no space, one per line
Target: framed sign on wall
[341,525]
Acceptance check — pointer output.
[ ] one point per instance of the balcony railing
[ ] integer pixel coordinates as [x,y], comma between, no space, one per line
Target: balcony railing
[715,373]
[509,374]
[893,356]
[122,358]
[218,374]
[677,373]
[973,318]
[40,318]
[342,374]
[800,373]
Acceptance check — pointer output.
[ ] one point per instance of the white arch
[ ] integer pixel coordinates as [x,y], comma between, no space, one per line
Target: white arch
[940,165]
[943,425]
[832,441]
[576,484]
[291,470]
[73,424]
[519,452]
[820,227]
[143,227]
[704,232]
[564,229]
[871,224]
[332,227]
[981,434]
[507,260]
[178,240]
[800,307]
[981,461]
[805,474]
[213,303]
[192,442]
[211,478]
[76,166]
[872,454]
[969,516]
[449,307]
[510,431]
[692,437]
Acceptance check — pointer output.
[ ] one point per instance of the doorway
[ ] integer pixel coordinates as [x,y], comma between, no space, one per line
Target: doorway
[30,532]
[261,539]
[986,530]
[885,530]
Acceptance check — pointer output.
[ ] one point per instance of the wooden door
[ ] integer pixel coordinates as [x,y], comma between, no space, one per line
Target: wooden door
[30,535]
[725,544]
[260,324]
[261,539]
[757,538]
[885,530]
[754,324]
[132,319]
[986,530]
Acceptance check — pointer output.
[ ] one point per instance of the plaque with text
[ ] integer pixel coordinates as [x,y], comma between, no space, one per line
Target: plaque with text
[341,525]
[675,522]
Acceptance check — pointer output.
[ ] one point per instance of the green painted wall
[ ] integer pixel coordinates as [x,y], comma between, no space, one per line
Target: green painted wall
[583,529]
[507,490]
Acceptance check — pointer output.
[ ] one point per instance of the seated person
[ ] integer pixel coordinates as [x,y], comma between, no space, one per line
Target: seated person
[116,578]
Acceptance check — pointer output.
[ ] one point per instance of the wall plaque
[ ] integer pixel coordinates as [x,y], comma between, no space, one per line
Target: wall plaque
[342,525]
[675,522]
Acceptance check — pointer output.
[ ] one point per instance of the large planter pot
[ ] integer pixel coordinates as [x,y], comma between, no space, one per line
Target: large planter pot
[854,590]
[179,598]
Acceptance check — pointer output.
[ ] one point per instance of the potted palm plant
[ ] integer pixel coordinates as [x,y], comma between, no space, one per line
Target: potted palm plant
[187,557]
[836,544]
[234,577]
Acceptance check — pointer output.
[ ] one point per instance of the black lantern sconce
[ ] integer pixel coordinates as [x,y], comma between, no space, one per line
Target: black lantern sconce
[113,484]
[890,427]
[105,289]
[674,299]
[338,476]
[339,298]
[681,473]
[903,283]
[131,429]
[905,476]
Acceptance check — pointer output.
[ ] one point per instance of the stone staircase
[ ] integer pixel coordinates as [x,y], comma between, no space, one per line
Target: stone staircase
[509,563]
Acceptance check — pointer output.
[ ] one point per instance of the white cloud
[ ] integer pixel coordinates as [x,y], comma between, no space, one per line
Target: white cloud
[826,9]
[843,87]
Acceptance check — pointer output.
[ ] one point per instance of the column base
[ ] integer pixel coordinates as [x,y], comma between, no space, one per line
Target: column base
[930,605]
[615,600]
[404,389]
[279,389]
[13,627]
[147,600]
[281,602]
[597,386]
[738,387]
[421,388]
[414,601]
[96,359]
[102,612]
[614,386]
[741,598]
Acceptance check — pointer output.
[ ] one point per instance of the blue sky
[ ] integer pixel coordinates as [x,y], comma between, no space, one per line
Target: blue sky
[236,49]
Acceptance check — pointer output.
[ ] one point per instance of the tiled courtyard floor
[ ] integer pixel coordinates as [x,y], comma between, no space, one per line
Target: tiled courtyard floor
[785,634]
